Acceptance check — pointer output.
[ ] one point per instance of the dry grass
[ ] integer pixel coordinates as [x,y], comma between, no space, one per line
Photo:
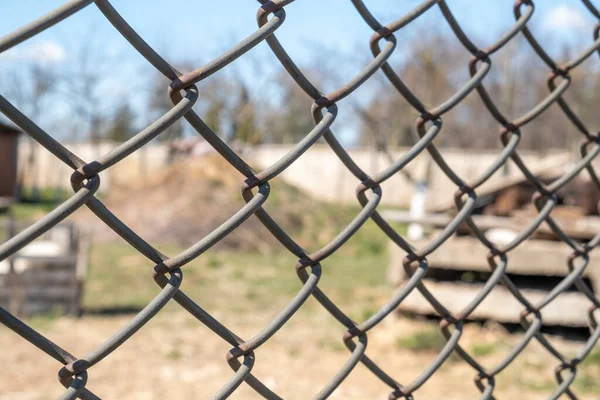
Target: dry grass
[174,356]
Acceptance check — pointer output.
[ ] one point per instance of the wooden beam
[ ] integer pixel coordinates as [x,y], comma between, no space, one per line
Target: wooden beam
[578,228]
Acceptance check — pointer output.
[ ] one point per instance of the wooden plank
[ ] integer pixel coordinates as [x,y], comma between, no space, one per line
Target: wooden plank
[49,293]
[578,228]
[47,283]
[533,257]
[568,309]
[37,307]
[551,168]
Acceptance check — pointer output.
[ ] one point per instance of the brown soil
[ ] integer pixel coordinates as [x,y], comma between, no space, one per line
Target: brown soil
[174,356]
[191,198]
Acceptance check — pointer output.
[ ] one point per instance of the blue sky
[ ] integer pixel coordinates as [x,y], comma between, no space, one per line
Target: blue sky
[204,28]
[196,31]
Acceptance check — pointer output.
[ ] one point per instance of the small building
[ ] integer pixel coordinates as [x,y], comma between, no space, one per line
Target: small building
[9,137]
[48,274]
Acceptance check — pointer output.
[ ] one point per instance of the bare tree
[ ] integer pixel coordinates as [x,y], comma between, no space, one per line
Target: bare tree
[291,119]
[245,127]
[159,103]
[122,125]
[30,88]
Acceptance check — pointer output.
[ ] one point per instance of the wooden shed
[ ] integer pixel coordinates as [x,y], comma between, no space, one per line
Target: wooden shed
[48,274]
[9,137]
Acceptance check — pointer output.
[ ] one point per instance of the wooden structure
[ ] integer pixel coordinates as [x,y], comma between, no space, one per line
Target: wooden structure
[8,163]
[458,269]
[47,275]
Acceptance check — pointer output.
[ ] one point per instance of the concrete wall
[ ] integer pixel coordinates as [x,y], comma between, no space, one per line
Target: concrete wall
[47,171]
[318,172]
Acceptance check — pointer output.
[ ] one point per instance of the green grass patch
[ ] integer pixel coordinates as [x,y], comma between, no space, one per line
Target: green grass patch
[44,195]
[429,340]
[30,211]
[214,262]
[593,358]
[121,278]
[44,321]
[174,354]
[486,349]
[330,344]
[544,385]
[587,382]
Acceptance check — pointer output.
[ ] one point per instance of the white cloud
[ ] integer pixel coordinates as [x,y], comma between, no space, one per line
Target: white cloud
[565,18]
[41,52]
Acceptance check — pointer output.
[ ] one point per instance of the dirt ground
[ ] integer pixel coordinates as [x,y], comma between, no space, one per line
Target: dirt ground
[176,357]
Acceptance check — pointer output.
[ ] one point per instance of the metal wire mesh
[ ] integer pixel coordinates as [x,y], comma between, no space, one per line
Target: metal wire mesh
[255,191]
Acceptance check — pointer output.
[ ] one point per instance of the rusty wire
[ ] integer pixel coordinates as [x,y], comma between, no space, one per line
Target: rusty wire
[255,191]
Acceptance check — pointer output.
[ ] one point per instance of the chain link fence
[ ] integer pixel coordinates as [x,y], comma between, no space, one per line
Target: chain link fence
[255,191]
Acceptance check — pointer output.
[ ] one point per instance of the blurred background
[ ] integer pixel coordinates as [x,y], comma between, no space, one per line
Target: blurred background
[85,85]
